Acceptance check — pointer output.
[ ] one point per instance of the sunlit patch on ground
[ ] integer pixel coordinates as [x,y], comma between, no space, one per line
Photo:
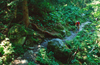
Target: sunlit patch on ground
[65,5]
[95,2]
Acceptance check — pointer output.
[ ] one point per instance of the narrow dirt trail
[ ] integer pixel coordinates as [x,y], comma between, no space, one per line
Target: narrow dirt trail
[74,34]
[83,24]
[30,55]
[71,37]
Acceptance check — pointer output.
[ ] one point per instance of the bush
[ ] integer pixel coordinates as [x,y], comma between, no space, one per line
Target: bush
[46,58]
[1,50]
[18,49]
[84,42]
[31,63]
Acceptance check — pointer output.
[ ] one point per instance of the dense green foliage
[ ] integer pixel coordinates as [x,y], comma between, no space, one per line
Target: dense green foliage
[51,18]
[85,41]
[46,58]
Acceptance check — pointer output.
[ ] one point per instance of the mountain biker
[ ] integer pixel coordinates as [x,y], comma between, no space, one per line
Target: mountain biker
[77,24]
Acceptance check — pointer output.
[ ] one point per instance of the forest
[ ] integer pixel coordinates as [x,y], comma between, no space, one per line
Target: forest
[44,32]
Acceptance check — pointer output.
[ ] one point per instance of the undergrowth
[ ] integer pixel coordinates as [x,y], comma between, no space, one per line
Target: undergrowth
[46,58]
[86,43]
[47,14]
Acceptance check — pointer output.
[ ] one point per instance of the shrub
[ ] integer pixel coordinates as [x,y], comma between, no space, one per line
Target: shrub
[1,50]
[46,58]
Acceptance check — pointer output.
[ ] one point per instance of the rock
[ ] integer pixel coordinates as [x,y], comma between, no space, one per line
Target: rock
[39,46]
[36,52]
[61,51]
[31,48]
[20,62]
[30,51]
[25,62]
[29,55]
[21,40]
[19,58]
[45,43]
[17,34]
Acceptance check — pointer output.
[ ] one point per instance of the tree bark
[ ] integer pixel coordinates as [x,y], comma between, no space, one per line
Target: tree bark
[25,13]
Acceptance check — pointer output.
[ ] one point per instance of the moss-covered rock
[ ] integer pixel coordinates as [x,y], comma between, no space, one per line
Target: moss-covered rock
[17,34]
[61,51]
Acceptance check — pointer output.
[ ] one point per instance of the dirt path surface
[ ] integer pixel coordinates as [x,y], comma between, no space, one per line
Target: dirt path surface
[74,34]
[71,37]
[83,24]
[31,54]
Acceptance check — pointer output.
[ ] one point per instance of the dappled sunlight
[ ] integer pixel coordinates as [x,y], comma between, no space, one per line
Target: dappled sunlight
[24,61]
[11,3]
[95,2]
[65,5]
[6,49]
[44,32]
[20,62]
[99,44]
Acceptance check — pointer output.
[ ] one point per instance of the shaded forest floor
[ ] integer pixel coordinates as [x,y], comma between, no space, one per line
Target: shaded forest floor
[31,54]
[28,46]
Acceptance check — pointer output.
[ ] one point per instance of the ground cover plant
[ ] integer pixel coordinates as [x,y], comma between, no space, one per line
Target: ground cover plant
[27,23]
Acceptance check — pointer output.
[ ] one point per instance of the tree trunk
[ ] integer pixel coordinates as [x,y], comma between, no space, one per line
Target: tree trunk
[25,13]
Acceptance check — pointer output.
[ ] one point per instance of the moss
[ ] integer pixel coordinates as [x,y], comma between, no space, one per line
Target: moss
[60,49]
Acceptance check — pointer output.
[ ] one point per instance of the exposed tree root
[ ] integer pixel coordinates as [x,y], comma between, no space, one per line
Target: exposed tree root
[47,34]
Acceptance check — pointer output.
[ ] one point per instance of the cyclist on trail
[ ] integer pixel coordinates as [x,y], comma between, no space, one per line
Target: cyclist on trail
[77,24]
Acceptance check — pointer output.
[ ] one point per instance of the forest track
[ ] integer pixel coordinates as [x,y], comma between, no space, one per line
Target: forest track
[74,34]
[31,54]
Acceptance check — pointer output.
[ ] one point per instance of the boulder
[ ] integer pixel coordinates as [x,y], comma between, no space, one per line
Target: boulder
[21,40]
[17,34]
[61,50]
